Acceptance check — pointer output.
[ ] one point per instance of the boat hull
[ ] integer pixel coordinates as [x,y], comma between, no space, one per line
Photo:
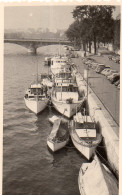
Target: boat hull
[86,151]
[95,179]
[67,109]
[36,106]
[54,146]
[85,148]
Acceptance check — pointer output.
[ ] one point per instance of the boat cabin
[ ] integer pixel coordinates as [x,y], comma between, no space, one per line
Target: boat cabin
[63,75]
[36,90]
[59,60]
[84,126]
[60,81]
[60,64]
[65,91]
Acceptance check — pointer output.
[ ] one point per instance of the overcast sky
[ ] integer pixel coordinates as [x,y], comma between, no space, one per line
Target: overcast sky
[52,17]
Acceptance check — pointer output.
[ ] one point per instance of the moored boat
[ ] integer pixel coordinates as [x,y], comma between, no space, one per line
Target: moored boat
[65,97]
[36,97]
[84,134]
[96,179]
[58,137]
[58,64]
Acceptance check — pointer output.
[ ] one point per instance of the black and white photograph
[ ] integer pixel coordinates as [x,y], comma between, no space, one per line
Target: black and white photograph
[61,99]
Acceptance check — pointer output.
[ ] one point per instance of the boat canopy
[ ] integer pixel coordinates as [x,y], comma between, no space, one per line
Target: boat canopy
[96,178]
[55,129]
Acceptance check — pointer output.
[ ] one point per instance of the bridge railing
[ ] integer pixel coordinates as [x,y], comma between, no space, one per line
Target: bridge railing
[25,39]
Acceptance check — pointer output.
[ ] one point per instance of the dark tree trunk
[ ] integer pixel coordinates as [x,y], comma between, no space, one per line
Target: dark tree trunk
[84,46]
[89,46]
[98,45]
[95,48]
[81,46]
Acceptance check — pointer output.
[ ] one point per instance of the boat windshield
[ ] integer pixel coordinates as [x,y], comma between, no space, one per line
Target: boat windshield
[37,91]
[64,75]
[61,61]
[85,125]
[67,89]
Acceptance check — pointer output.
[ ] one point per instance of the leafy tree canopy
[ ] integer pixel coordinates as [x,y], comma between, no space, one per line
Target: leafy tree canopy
[94,23]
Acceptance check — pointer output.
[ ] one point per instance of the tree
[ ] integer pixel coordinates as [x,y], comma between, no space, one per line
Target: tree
[117,34]
[73,31]
[99,22]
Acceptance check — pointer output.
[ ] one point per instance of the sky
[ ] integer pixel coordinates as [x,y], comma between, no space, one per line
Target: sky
[51,17]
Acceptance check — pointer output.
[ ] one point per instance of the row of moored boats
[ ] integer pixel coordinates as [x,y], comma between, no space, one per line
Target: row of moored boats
[63,92]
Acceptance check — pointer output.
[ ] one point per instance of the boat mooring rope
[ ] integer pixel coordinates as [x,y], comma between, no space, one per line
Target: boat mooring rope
[109,165]
[107,162]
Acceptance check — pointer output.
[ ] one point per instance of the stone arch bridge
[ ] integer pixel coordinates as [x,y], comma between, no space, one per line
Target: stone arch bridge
[33,44]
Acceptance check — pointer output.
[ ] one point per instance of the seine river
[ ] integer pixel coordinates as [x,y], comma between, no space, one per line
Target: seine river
[29,168]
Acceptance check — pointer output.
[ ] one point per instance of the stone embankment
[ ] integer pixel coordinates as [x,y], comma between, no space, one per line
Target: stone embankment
[107,125]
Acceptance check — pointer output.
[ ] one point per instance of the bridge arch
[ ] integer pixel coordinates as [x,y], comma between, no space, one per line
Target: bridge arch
[13,48]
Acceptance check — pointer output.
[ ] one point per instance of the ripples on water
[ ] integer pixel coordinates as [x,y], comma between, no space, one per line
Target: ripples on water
[29,168]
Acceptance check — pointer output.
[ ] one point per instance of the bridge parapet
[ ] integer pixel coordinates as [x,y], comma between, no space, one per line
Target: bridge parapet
[54,40]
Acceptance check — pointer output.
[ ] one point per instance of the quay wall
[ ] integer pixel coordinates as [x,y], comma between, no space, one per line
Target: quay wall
[107,125]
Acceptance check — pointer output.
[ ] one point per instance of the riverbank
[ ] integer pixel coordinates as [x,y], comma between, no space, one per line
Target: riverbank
[98,109]
[108,94]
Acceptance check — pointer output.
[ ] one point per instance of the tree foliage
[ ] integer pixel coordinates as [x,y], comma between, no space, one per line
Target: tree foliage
[95,23]
[73,33]
[117,34]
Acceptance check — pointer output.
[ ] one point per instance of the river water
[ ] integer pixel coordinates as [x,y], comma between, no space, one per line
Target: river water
[29,168]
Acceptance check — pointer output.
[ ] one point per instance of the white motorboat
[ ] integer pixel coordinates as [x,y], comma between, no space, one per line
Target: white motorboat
[65,97]
[36,97]
[96,179]
[84,135]
[58,137]
[58,64]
